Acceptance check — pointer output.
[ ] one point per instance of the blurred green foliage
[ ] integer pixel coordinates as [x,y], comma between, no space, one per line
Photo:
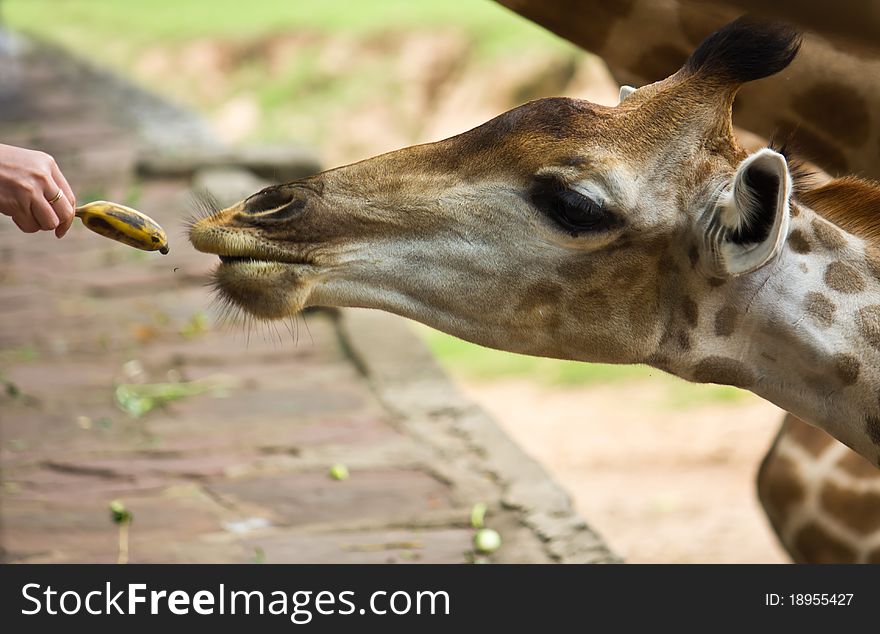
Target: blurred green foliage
[93,25]
[298,97]
[476,363]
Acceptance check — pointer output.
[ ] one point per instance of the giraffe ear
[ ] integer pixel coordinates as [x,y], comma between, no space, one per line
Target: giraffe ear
[625,91]
[751,217]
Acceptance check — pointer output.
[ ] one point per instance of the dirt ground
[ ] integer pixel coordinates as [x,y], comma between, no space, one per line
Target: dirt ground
[660,484]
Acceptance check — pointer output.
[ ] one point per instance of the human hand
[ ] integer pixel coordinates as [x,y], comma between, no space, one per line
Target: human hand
[29,180]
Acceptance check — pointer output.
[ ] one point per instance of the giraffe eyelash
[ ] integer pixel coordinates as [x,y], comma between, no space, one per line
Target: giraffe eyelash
[574,212]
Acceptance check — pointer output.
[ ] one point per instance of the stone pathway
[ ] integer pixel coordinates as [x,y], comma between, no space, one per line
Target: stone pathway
[240,473]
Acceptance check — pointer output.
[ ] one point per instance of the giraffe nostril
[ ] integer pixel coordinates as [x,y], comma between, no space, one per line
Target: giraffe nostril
[278,202]
[267,199]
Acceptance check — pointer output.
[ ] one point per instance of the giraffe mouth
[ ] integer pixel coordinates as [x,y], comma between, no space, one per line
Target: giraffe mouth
[248,259]
[239,250]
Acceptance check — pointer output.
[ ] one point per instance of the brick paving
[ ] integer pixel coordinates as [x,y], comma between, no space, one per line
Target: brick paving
[240,474]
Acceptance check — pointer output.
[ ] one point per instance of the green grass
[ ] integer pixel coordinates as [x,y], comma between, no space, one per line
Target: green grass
[298,98]
[471,362]
[96,25]
[475,362]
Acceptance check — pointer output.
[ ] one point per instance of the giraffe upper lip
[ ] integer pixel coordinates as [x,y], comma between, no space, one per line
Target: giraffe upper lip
[240,248]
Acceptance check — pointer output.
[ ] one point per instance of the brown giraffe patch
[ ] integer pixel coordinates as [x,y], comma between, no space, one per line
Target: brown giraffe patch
[834,108]
[540,296]
[723,370]
[858,510]
[868,322]
[872,259]
[666,265]
[799,241]
[811,439]
[830,236]
[693,255]
[589,302]
[819,383]
[715,282]
[857,466]
[691,311]
[844,278]
[725,320]
[815,545]
[872,426]
[590,27]
[779,485]
[847,367]
[820,309]
[684,340]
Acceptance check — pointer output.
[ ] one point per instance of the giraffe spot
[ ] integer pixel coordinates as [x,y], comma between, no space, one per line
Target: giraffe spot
[858,510]
[857,466]
[834,108]
[844,278]
[814,545]
[803,267]
[691,311]
[723,370]
[799,242]
[666,265]
[811,439]
[830,236]
[818,383]
[872,426]
[715,282]
[794,211]
[725,320]
[576,268]
[847,367]
[814,147]
[589,302]
[820,309]
[868,323]
[872,259]
[683,340]
[540,296]
[693,255]
[587,28]
[779,485]
[660,62]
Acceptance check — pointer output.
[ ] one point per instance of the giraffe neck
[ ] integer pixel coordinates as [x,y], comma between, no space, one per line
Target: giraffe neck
[802,332]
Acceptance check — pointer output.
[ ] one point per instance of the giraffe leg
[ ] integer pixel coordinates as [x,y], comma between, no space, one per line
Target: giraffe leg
[821,498]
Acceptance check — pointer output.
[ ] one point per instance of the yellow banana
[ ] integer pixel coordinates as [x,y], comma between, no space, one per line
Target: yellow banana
[124,225]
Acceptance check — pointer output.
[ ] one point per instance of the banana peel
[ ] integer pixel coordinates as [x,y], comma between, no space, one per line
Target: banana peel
[124,224]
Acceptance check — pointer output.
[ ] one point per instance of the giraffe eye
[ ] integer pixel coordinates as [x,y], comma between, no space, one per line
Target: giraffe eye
[575,212]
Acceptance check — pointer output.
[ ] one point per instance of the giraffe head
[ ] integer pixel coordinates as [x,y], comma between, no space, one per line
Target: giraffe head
[560,228]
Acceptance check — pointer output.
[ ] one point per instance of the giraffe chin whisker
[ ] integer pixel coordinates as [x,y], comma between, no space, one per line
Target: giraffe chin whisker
[262,289]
